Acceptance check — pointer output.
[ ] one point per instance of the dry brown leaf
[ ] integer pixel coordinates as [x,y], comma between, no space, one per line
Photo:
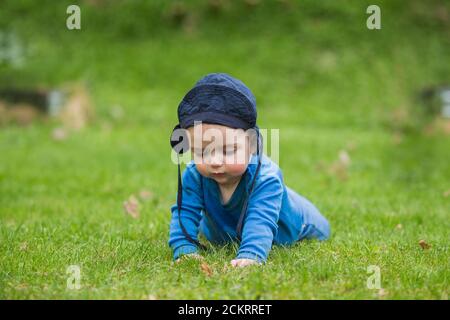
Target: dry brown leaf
[22,286]
[131,207]
[23,246]
[424,245]
[206,269]
[447,193]
[382,293]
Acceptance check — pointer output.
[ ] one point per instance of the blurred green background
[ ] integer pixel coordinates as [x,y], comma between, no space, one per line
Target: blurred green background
[354,139]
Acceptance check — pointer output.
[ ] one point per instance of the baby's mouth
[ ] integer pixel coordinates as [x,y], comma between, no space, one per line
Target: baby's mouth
[218,174]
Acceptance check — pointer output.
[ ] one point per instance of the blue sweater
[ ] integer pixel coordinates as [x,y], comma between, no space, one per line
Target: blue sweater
[275,214]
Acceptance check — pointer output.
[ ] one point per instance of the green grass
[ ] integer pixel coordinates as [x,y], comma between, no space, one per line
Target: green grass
[319,76]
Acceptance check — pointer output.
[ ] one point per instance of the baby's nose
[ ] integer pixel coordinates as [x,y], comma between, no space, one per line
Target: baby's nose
[216,159]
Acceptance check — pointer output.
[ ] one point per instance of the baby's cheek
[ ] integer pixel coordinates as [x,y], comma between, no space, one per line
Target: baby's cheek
[236,169]
[202,169]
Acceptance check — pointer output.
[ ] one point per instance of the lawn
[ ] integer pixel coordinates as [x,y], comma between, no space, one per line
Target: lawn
[352,140]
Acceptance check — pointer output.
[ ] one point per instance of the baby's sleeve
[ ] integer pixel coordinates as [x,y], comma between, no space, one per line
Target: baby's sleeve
[191,208]
[261,221]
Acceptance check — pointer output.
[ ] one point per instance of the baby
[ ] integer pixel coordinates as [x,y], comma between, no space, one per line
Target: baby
[231,191]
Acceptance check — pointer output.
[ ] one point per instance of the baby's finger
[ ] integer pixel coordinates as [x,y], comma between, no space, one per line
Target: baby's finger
[239,262]
[244,262]
[234,262]
[188,256]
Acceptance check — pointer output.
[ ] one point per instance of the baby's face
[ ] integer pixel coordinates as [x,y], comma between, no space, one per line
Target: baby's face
[220,152]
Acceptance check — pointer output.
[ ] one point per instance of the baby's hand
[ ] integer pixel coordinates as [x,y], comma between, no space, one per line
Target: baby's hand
[243,262]
[189,256]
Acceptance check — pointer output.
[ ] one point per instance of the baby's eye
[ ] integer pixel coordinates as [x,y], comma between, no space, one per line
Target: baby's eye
[198,153]
[230,150]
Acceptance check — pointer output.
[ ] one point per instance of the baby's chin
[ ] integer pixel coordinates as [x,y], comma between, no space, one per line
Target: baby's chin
[236,170]
[223,178]
[226,178]
[232,174]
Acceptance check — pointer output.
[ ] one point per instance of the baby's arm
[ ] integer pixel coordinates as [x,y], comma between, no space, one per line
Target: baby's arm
[190,215]
[260,223]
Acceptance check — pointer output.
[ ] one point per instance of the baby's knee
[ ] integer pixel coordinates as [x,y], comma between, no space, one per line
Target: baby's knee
[318,229]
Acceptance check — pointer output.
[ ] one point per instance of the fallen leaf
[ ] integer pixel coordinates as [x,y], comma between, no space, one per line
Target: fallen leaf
[399,226]
[23,246]
[22,286]
[447,193]
[382,293]
[206,269]
[424,245]
[131,207]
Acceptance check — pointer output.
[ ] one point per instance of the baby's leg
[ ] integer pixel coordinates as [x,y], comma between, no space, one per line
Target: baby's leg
[314,226]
